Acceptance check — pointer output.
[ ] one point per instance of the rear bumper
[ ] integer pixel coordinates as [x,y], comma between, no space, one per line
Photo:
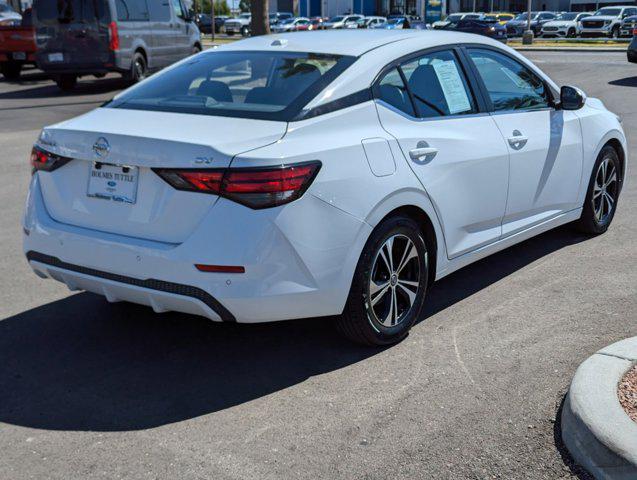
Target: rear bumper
[17,57]
[293,268]
[632,52]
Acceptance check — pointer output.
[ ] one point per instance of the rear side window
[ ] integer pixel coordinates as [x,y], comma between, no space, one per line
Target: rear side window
[436,83]
[392,90]
[71,11]
[262,85]
[511,86]
[132,10]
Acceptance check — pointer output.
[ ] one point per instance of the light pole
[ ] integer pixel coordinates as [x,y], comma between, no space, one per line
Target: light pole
[527,37]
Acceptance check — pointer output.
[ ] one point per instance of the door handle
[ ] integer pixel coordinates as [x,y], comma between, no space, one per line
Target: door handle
[517,141]
[422,152]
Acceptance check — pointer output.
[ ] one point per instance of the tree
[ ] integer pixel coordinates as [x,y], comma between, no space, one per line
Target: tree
[260,21]
[221,8]
[244,5]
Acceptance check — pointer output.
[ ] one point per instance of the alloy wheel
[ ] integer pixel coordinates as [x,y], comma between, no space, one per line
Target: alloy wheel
[394,281]
[605,191]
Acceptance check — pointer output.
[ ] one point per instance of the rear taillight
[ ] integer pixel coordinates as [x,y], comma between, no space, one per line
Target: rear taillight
[635,32]
[46,161]
[113,35]
[256,188]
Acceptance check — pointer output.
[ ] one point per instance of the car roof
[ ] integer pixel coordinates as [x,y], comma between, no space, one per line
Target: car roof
[351,42]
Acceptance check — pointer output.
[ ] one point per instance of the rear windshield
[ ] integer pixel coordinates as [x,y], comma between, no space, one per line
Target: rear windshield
[71,11]
[260,85]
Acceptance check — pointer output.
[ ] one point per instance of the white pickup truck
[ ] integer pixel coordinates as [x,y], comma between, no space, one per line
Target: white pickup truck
[606,22]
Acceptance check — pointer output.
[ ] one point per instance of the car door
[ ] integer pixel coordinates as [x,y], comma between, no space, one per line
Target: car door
[456,151]
[545,144]
[181,28]
[162,32]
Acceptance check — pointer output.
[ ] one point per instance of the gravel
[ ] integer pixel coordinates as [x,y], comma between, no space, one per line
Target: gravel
[627,393]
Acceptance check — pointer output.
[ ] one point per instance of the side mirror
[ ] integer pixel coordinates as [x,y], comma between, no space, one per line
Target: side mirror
[572,98]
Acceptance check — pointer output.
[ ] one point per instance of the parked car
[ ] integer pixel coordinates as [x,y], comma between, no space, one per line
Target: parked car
[395,23]
[455,18]
[606,22]
[342,21]
[8,16]
[628,26]
[317,23]
[240,25]
[371,22]
[291,25]
[489,28]
[93,37]
[277,17]
[517,26]
[301,181]
[632,48]
[204,22]
[565,25]
[17,46]
[501,17]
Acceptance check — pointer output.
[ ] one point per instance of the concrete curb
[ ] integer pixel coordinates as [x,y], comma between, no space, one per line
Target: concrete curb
[595,428]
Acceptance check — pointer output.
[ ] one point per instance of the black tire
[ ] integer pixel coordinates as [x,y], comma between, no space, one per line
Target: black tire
[360,321]
[196,49]
[245,31]
[11,70]
[591,222]
[615,32]
[571,33]
[138,70]
[66,81]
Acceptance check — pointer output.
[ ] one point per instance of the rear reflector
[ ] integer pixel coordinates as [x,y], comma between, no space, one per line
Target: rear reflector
[220,268]
[256,188]
[46,161]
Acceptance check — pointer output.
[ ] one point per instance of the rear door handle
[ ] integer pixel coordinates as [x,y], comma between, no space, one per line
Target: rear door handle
[517,141]
[422,152]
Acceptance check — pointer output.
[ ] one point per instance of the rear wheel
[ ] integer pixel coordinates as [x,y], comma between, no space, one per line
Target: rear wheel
[11,70]
[603,192]
[66,82]
[139,69]
[389,285]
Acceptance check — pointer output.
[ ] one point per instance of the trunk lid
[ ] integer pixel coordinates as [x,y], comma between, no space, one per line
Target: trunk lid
[145,140]
[72,33]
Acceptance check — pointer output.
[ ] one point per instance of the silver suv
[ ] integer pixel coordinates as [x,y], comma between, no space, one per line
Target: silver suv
[606,22]
[94,37]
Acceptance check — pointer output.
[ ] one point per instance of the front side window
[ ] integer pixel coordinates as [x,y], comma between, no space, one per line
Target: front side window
[438,85]
[263,85]
[511,86]
[176,4]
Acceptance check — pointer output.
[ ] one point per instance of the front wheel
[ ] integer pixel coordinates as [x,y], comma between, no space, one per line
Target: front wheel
[245,32]
[603,192]
[615,32]
[389,285]
[571,33]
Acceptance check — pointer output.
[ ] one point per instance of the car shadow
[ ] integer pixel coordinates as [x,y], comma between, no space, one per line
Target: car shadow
[49,89]
[625,82]
[80,363]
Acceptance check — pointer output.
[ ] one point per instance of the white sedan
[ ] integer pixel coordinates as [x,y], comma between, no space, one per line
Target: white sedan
[333,174]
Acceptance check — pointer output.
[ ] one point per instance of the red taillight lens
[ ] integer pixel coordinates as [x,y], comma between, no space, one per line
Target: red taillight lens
[113,36]
[254,187]
[45,161]
[635,32]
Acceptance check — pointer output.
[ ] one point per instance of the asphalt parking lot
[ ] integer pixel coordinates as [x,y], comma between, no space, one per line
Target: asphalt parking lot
[94,390]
